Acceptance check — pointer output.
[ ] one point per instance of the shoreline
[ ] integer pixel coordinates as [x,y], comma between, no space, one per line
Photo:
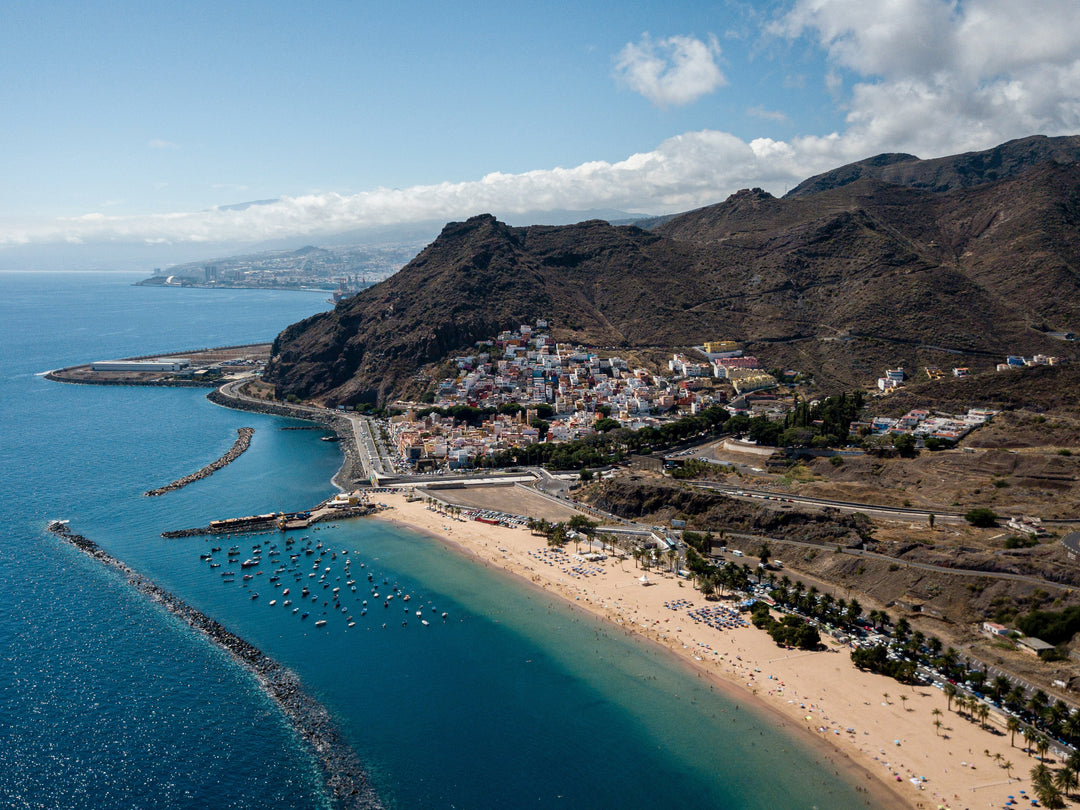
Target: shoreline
[346,783]
[877,745]
[345,477]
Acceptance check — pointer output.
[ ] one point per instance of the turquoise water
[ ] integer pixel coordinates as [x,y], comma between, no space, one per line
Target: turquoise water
[514,700]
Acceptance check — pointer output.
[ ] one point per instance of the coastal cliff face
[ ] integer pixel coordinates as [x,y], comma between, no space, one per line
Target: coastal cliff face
[839,281]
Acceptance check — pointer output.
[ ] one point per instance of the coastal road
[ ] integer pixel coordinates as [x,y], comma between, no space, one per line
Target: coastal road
[874,510]
[941,569]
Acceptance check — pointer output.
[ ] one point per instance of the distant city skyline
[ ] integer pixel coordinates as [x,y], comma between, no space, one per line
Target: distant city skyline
[130,124]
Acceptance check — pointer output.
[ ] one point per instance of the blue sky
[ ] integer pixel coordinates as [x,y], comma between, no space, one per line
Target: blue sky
[134,122]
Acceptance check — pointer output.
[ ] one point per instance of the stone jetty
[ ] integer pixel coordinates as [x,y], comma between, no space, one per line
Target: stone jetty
[346,782]
[243,441]
[280,520]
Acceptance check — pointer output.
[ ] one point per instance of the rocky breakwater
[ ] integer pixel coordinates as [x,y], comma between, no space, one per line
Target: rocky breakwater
[346,782]
[243,441]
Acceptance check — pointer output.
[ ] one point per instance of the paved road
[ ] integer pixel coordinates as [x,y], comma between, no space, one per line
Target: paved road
[942,569]
[903,512]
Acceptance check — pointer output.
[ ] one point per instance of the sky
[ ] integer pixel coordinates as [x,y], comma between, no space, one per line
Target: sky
[146,123]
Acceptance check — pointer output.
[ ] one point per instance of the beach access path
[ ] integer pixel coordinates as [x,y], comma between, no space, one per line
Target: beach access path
[871,726]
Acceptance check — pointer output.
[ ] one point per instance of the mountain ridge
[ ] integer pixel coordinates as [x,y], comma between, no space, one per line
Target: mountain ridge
[839,282]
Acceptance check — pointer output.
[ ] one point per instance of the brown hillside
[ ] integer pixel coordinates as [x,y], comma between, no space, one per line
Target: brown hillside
[838,283]
[949,173]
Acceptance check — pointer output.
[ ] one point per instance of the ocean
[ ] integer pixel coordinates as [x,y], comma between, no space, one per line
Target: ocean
[515,699]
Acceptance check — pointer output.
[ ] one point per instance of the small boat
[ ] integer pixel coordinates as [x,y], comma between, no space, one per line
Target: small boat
[445,615]
[286,603]
[295,609]
[424,622]
[352,624]
[304,616]
[273,601]
[419,613]
[285,592]
[247,577]
[215,565]
[249,563]
[406,597]
[320,623]
[255,596]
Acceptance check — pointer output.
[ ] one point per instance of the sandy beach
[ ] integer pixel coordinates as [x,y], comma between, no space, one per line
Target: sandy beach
[871,727]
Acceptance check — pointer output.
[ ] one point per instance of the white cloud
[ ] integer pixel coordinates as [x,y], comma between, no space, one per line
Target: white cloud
[689,170]
[939,76]
[931,77]
[767,115]
[158,143]
[672,71]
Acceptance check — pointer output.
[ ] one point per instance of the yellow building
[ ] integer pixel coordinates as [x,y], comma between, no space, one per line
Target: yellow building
[717,346]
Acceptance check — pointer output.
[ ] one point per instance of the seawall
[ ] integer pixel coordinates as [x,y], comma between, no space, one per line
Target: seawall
[346,782]
[243,441]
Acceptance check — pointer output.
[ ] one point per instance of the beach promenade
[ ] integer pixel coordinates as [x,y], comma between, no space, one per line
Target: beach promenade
[870,727]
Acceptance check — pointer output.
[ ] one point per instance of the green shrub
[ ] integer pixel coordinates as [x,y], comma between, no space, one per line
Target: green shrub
[981,517]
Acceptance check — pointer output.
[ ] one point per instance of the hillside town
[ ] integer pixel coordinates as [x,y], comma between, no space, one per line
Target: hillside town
[544,391]
[522,388]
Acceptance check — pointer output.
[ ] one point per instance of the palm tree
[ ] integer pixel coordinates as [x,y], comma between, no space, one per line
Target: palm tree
[886,696]
[937,727]
[1037,702]
[961,703]
[1029,735]
[1000,687]
[1007,765]
[854,611]
[903,701]
[1040,775]
[1073,761]
[984,713]
[934,645]
[950,693]
[1013,725]
[1066,780]
[1042,745]
[1015,698]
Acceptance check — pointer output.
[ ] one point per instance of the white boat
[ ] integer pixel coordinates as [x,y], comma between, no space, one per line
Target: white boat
[320,622]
